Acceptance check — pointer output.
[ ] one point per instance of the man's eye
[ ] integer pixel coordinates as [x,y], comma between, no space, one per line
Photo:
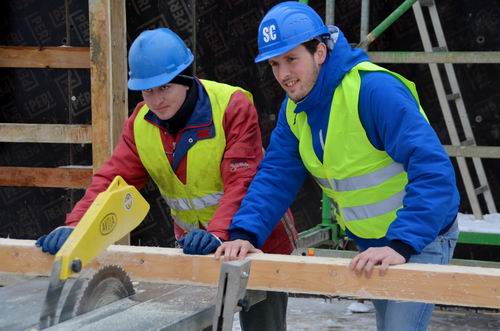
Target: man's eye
[147,90]
[164,87]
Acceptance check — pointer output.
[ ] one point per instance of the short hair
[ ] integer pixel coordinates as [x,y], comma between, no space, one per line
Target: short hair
[312,45]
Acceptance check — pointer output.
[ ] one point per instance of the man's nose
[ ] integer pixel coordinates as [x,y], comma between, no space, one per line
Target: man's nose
[156,98]
[283,72]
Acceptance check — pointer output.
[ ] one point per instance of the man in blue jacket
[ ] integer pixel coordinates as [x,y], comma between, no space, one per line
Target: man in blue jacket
[360,131]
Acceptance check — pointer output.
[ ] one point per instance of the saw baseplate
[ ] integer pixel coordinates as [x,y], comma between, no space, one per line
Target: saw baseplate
[94,289]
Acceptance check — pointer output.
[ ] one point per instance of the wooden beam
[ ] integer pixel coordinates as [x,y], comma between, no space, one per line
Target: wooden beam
[487,152]
[45,133]
[45,177]
[450,285]
[435,57]
[108,72]
[62,57]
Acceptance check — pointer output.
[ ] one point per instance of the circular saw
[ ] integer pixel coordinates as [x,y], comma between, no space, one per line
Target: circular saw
[113,214]
[94,289]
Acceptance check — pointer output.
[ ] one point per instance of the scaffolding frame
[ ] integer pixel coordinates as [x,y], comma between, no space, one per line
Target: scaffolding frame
[328,230]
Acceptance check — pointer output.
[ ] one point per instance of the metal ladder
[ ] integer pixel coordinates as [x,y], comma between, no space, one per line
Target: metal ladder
[454,96]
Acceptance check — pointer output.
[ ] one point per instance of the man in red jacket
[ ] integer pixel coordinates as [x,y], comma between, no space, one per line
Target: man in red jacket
[200,142]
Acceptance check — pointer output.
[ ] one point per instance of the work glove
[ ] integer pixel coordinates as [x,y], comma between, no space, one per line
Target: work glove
[199,242]
[52,242]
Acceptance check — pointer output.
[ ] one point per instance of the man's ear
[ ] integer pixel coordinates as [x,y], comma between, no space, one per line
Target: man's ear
[320,54]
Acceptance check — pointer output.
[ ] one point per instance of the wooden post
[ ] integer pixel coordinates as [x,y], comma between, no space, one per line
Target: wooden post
[108,73]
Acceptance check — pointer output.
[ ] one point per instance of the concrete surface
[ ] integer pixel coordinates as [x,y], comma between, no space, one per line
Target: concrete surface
[319,314]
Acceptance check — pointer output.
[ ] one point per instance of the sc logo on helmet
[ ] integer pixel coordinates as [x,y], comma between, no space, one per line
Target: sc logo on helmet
[269,33]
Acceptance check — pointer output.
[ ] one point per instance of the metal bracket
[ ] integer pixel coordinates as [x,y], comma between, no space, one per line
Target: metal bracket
[427,3]
[481,189]
[49,309]
[232,295]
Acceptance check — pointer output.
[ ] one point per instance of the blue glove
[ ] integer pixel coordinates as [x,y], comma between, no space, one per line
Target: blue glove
[53,241]
[199,242]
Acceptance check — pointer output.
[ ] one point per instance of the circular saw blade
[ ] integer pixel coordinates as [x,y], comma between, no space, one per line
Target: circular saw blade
[94,289]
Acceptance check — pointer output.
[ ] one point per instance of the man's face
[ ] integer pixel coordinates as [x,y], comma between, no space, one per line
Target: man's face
[165,100]
[297,70]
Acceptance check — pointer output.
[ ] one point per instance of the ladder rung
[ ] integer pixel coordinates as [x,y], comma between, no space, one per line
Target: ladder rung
[453,96]
[427,3]
[481,189]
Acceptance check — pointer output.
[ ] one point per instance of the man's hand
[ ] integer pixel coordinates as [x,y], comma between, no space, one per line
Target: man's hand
[52,242]
[199,242]
[235,250]
[365,261]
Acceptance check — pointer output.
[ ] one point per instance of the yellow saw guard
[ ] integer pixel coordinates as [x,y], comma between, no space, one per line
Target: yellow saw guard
[113,214]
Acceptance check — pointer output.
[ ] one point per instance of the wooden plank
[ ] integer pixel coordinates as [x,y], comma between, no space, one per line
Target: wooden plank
[45,133]
[435,57]
[451,285]
[45,177]
[487,152]
[108,72]
[62,57]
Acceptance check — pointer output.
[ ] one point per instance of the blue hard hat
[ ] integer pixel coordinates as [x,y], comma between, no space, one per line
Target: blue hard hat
[155,58]
[286,26]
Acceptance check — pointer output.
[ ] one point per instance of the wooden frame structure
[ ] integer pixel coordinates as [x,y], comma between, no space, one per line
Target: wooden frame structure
[106,59]
[443,284]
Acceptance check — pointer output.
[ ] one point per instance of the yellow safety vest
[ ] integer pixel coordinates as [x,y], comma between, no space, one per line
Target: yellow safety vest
[367,185]
[194,203]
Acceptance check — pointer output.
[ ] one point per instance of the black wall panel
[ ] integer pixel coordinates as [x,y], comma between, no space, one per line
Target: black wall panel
[51,96]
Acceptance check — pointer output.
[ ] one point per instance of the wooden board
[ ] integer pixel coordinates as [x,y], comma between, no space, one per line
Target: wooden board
[45,133]
[452,285]
[45,177]
[434,57]
[44,57]
[485,152]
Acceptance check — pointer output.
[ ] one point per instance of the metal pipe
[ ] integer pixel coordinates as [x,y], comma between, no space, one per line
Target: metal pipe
[193,34]
[403,8]
[326,208]
[330,12]
[365,20]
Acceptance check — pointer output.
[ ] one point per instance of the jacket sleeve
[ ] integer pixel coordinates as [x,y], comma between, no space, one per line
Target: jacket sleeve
[391,118]
[242,155]
[124,161]
[279,178]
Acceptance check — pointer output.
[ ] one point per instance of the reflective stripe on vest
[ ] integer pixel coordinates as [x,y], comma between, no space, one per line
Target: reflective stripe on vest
[375,209]
[361,182]
[195,203]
